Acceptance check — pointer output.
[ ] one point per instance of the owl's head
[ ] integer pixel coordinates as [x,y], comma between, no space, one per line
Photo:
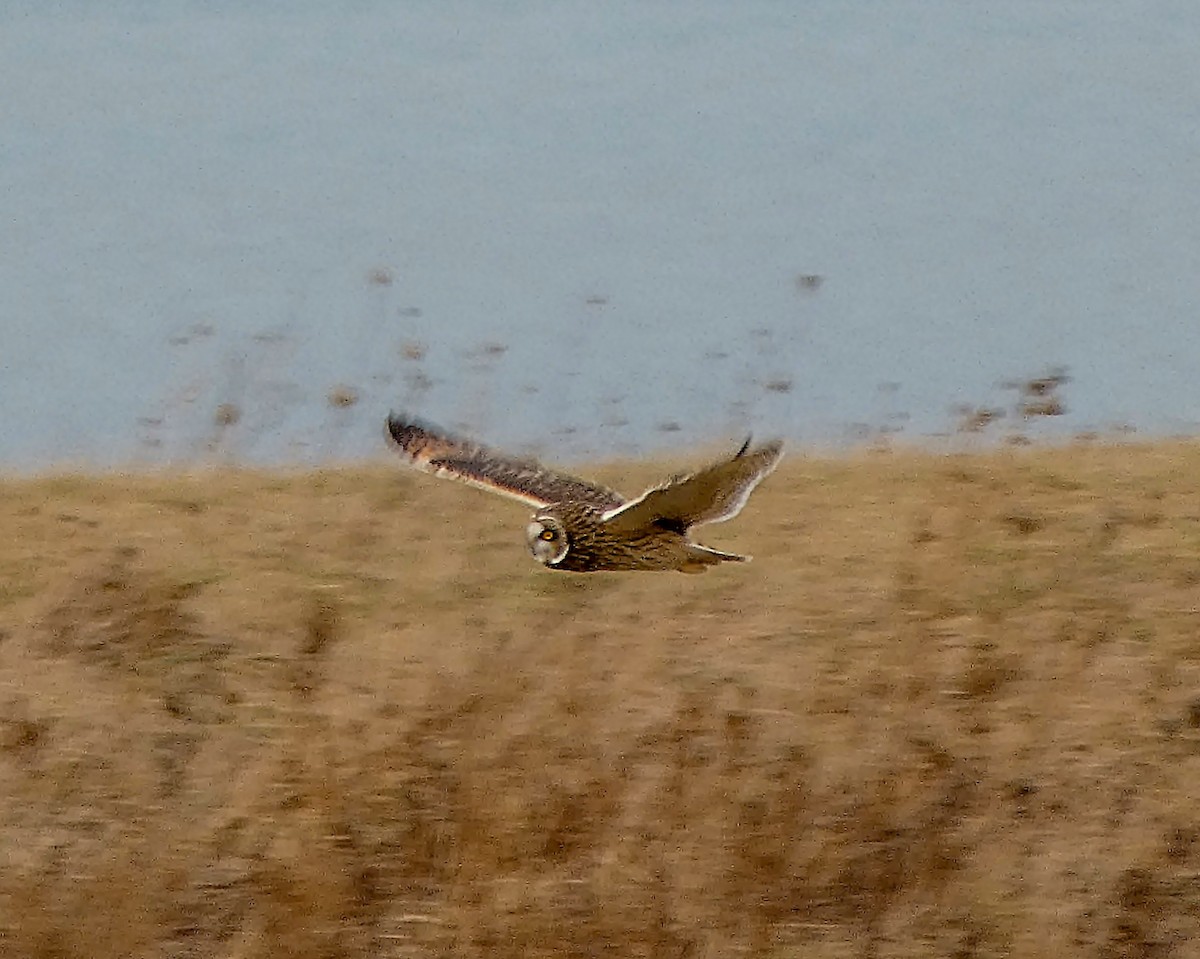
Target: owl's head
[548,540]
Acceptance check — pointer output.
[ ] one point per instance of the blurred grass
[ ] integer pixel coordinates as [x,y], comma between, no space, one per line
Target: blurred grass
[952,708]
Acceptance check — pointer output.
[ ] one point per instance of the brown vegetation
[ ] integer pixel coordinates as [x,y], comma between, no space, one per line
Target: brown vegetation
[952,709]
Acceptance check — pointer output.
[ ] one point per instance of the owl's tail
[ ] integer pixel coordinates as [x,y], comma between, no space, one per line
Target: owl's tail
[699,558]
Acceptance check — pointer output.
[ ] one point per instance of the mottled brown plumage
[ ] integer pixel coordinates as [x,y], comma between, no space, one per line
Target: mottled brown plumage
[435,451]
[582,527]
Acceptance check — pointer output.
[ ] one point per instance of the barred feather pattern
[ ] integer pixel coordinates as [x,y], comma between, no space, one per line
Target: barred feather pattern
[436,451]
[584,527]
[595,547]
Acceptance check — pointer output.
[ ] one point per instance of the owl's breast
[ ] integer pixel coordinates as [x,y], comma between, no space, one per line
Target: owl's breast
[595,547]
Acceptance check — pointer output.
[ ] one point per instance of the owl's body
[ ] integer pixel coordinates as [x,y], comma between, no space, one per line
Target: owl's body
[595,546]
[581,527]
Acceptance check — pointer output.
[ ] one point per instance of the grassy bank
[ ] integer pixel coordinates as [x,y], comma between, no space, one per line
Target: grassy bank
[952,708]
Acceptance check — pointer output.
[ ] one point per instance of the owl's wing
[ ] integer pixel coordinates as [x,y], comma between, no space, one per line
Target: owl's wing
[434,451]
[711,495]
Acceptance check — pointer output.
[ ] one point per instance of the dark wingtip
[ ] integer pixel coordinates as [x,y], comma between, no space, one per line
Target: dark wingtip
[399,427]
[404,431]
[774,446]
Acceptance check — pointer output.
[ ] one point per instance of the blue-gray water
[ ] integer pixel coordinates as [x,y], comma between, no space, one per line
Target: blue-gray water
[209,203]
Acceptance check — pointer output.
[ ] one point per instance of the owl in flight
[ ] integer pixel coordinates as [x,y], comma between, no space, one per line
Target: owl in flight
[580,527]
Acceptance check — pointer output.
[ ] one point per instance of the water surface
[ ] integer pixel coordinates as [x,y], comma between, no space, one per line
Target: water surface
[605,229]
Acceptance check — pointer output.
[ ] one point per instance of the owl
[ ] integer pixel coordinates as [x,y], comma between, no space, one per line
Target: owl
[580,527]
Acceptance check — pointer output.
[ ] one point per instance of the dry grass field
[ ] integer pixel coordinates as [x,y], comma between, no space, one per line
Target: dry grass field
[951,709]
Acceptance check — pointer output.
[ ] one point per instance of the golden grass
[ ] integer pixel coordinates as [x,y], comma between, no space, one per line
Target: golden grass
[952,709]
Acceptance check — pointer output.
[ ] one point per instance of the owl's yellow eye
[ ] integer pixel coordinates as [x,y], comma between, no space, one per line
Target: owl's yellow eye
[547,535]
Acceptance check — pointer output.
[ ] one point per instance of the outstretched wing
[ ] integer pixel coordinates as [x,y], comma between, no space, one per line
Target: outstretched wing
[713,494]
[434,451]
